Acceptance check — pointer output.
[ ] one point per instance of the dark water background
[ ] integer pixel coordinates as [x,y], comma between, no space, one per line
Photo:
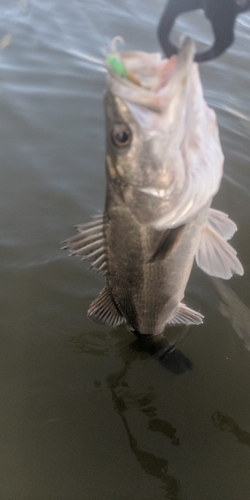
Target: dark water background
[84,415]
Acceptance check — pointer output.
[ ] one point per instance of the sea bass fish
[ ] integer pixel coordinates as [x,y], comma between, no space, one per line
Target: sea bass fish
[164,164]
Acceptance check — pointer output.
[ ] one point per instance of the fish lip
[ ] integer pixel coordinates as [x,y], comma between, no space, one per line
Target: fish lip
[186,52]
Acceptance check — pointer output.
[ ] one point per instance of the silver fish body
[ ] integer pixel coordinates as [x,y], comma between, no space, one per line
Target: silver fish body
[147,269]
[163,165]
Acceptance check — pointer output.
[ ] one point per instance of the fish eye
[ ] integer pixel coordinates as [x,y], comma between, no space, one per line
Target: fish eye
[121,135]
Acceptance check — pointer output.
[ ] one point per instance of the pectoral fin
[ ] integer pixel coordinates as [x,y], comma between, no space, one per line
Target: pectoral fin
[104,311]
[167,243]
[89,244]
[183,315]
[215,256]
[221,224]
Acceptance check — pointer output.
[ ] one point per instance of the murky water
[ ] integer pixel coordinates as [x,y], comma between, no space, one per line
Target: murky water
[85,413]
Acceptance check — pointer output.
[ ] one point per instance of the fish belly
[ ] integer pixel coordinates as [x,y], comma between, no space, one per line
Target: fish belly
[147,290]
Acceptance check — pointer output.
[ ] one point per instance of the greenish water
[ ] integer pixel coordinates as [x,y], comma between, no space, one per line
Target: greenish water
[85,414]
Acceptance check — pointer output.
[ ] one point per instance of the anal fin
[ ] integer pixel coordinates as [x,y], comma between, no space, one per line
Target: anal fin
[104,311]
[183,315]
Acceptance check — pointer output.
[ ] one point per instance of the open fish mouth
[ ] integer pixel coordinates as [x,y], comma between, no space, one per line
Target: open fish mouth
[147,79]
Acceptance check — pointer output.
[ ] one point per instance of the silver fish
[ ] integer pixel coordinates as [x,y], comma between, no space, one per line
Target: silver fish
[164,164]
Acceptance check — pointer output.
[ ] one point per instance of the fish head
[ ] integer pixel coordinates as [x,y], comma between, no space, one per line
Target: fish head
[162,139]
[136,155]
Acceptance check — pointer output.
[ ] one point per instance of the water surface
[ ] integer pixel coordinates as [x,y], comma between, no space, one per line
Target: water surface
[85,414]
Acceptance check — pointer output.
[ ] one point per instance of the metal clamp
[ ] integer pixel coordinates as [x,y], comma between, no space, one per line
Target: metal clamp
[222,15]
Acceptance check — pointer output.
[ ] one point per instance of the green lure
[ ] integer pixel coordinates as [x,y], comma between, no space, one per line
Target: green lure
[117,65]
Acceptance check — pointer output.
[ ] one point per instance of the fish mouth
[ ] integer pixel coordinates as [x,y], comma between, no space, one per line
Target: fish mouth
[148,80]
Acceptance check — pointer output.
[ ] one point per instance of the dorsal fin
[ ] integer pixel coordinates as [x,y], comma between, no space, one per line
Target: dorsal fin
[104,311]
[89,244]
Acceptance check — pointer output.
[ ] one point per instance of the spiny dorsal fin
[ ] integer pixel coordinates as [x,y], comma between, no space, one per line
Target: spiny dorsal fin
[104,311]
[89,244]
[220,223]
[216,257]
[183,315]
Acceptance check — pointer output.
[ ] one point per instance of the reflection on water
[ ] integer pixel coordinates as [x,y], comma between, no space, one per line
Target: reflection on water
[236,311]
[123,401]
[226,424]
[158,348]
[93,343]
[168,355]
[158,425]
[151,464]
